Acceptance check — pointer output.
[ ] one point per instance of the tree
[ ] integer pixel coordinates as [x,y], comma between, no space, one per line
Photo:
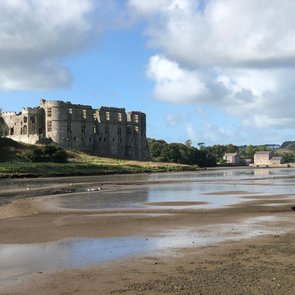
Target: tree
[230,148]
[188,143]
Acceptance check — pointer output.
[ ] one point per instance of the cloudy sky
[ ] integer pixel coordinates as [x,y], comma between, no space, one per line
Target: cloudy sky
[213,71]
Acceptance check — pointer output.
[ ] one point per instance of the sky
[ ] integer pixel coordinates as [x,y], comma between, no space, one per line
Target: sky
[212,71]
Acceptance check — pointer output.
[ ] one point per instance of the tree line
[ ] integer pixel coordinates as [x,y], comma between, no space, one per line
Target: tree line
[204,156]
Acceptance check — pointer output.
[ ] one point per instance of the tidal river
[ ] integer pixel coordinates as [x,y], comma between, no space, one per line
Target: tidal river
[90,220]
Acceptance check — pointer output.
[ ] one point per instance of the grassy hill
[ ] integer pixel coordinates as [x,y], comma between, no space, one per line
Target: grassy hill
[14,163]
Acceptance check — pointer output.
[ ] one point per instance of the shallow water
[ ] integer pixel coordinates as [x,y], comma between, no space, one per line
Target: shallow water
[219,188]
[216,188]
[19,260]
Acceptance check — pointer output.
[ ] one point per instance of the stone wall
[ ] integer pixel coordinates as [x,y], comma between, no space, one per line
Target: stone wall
[26,126]
[106,131]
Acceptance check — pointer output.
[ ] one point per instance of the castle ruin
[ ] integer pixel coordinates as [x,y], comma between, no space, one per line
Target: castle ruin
[106,131]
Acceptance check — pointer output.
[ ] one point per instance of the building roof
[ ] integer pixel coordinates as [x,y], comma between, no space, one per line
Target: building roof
[263,153]
[276,158]
[230,154]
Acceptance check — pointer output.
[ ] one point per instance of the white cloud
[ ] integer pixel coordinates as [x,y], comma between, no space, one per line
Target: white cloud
[35,37]
[235,54]
[173,120]
[174,83]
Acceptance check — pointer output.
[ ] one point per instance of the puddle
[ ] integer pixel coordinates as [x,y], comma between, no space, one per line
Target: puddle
[17,260]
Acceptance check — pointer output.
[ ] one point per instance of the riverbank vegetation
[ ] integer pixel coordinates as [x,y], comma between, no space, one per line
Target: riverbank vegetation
[22,160]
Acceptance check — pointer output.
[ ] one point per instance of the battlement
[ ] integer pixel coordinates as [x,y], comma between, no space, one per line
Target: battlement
[112,109]
[61,103]
[107,131]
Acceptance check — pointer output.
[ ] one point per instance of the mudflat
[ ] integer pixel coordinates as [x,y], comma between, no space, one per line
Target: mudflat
[240,262]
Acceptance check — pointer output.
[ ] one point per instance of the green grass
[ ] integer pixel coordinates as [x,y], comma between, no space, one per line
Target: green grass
[80,163]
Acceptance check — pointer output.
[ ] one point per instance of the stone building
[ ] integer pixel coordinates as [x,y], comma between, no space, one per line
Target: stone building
[233,159]
[266,158]
[107,131]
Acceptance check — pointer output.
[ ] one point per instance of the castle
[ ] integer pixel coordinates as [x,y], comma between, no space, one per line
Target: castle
[106,131]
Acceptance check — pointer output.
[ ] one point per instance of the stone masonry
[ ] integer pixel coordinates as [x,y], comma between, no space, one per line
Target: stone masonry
[106,131]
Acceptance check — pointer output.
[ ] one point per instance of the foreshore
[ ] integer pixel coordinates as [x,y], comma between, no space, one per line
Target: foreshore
[262,263]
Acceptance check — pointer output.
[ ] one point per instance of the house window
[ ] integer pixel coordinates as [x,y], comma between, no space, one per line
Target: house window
[136,118]
[69,127]
[49,112]
[83,128]
[119,117]
[84,114]
[108,116]
[49,126]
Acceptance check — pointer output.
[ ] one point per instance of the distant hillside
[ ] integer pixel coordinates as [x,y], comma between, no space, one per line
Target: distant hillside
[288,145]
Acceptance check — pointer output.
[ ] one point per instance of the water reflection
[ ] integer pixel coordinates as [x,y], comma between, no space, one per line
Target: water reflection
[215,195]
[19,260]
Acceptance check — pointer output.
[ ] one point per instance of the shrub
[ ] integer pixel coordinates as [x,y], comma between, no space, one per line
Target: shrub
[49,153]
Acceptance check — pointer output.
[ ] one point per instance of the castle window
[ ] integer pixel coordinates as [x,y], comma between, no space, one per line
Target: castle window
[49,112]
[25,119]
[69,127]
[74,138]
[119,117]
[120,140]
[107,130]
[136,129]
[108,116]
[113,139]
[70,114]
[94,129]
[11,131]
[90,139]
[136,118]
[99,139]
[104,139]
[84,114]
[129,130]
[25,129]
[94,116]
[49,126]
[33,119]
[83,128]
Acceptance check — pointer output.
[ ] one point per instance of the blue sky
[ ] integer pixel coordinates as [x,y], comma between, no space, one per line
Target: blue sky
[219,75]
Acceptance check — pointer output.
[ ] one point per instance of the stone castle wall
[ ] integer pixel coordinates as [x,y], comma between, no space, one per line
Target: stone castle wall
[106,131]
